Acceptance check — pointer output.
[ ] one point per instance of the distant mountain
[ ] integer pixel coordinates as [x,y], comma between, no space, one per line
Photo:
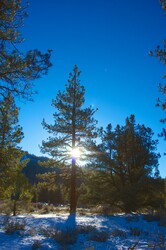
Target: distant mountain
[33,168]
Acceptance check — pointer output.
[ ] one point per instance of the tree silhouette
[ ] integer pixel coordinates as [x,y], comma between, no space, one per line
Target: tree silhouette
[18,71]
[126,159]
[73,129]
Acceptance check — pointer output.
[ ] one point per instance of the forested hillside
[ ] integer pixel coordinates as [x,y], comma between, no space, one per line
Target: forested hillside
[33,168]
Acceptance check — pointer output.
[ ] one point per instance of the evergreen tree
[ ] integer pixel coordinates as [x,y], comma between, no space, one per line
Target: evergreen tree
[18,189]
[10,136]
[160,53]
[17,71]
[73,128]
[128,155]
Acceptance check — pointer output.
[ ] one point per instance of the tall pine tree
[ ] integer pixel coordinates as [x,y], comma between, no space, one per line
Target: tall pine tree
[73,129]
[10,136]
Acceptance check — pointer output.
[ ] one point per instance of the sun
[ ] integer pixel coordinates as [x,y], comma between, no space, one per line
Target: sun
[75,152]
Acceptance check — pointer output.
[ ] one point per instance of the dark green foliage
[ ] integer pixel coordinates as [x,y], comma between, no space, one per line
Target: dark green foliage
[13,184]
[70,120]
[10,136]
[10,133]
[46,181]
[50,189]
[126,162]
[154,196]
[17,71]
[33,167]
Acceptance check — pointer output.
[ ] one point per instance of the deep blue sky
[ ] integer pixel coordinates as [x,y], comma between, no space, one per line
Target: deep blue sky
[109,41]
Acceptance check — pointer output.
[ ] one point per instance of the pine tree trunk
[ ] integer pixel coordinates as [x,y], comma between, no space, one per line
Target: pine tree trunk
[14,208]
[73,200]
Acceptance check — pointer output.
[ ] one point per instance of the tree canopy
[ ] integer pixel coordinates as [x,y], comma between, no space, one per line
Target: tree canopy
[18,69]
[126,158]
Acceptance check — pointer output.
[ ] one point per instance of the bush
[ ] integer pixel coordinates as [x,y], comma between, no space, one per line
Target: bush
[45,209]
[99,236]
[36,245]
[6,207]
[151,217]
[13,226]
[118,233]
[135,231]
[133,246]
[85,229]
[63,237]
[101,209]
[159,242]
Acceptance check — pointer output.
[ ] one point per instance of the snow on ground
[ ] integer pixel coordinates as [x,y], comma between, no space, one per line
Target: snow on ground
[94,232]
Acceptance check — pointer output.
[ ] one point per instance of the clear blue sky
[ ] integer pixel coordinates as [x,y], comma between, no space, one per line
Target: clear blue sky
[109,41]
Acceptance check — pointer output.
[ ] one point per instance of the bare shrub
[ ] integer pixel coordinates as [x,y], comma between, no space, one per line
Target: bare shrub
[135,231]
[85,229]
[159,242]
[45,209]
[118,233]
[36,245]
[63,237]
[102,210]
[13,226]
[133,246]
[99,236]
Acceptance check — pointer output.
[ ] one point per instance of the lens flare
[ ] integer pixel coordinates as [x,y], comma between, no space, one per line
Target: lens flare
[75,152]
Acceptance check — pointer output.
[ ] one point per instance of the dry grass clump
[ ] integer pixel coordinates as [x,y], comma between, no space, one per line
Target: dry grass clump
[158,242]
[118,233]
[14,226]
[85,229]
[36,245]
[99,236]
[135,231]
[63,237]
